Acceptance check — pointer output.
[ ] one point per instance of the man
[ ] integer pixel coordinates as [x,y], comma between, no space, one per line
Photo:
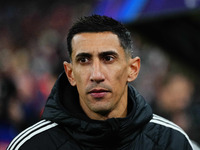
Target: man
[98,109]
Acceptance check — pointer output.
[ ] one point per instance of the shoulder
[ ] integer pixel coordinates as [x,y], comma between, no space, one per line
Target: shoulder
[37,135]
[167,134]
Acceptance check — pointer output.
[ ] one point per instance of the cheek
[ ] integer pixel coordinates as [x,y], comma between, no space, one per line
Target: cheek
[80,84]
[122,73]
[81,77]
[119,76]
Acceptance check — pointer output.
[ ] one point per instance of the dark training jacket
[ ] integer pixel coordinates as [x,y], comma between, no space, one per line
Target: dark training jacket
[64,126]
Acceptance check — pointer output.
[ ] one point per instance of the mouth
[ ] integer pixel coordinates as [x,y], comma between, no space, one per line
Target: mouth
[98,93]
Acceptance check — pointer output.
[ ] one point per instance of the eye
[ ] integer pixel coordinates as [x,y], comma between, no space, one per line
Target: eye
[108,58]
[83,60]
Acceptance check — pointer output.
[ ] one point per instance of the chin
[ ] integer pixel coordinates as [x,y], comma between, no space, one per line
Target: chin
[103,112]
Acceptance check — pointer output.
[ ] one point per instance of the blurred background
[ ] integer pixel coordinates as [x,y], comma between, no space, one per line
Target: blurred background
[33,48]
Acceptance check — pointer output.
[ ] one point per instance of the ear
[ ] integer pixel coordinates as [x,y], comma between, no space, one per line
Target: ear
[69,72]
[134,68]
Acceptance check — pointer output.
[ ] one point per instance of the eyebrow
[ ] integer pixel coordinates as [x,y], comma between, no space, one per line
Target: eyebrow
[83,54]
[106,53]
[101,54]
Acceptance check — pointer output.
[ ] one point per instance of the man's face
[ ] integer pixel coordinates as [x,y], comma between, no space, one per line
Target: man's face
[100,69]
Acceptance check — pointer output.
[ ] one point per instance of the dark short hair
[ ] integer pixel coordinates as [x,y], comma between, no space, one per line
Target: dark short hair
[97,23]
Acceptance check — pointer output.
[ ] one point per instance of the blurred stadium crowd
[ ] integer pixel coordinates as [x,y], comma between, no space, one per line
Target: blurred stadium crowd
[32,50]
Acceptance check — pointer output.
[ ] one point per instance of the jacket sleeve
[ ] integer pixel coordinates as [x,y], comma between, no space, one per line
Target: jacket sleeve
[195,146]
[178,141]
[33,136]
[169,135]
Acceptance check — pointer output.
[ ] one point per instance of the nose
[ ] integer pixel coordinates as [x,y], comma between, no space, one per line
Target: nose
[96,72]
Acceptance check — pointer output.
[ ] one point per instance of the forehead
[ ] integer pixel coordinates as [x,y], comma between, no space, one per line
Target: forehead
[95,43]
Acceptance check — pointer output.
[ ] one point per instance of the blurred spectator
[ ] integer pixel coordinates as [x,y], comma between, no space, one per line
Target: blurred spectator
[151,69]
[8,122]
[173,101]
